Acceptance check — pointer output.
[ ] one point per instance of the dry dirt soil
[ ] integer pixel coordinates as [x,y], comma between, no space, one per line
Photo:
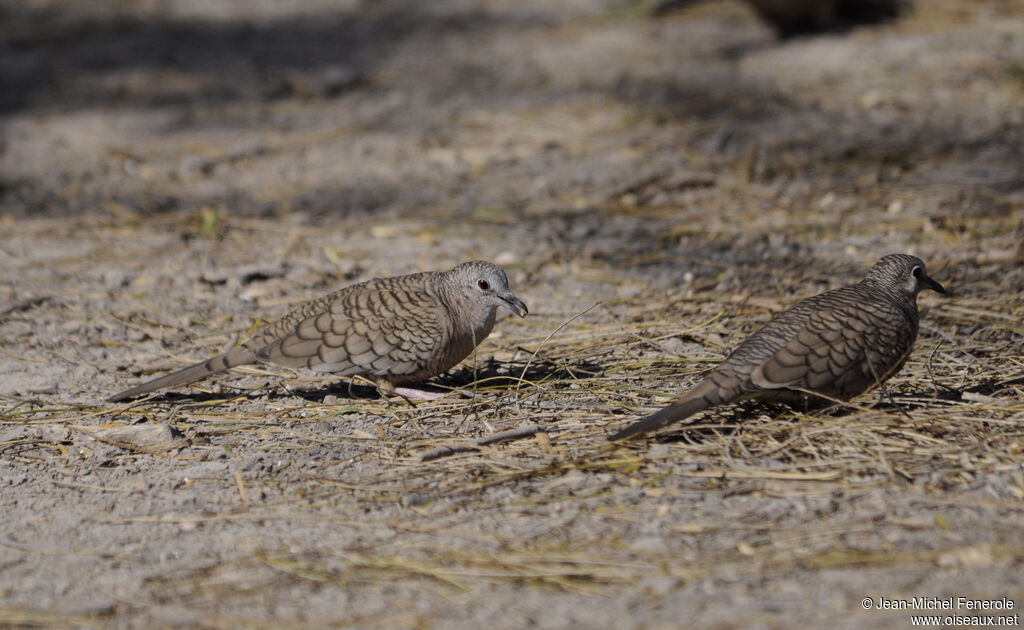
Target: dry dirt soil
[658,180]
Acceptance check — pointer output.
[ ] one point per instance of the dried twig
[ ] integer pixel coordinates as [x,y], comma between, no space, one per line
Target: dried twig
[554,332]
[501,436]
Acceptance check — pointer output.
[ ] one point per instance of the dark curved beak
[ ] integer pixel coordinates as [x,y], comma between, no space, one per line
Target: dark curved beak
[514,304]
[934,286]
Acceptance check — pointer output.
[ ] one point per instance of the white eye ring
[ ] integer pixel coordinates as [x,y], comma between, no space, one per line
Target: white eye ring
[916,272]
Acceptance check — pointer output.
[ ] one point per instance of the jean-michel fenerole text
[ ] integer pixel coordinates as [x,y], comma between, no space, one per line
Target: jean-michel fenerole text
[943,603]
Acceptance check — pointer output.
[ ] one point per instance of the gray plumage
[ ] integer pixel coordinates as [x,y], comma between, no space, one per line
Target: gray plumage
[388,330]
[839,344]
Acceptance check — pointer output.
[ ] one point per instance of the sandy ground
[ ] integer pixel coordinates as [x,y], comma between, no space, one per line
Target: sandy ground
[656,183]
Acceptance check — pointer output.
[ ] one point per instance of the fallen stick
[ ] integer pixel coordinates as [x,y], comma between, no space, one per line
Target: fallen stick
[462,447]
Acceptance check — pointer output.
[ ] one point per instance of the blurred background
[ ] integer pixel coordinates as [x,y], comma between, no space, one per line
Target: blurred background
[684,125]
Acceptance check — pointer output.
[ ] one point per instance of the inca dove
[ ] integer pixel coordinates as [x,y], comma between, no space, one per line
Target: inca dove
[388,330]
[840,343]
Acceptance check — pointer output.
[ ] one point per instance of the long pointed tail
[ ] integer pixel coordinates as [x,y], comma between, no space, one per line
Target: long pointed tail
[222,363]
[679,410]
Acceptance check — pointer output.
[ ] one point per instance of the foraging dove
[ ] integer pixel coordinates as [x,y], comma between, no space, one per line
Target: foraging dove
[388,330]
[839,344]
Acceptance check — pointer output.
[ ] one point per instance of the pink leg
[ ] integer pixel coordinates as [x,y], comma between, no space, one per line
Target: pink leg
[418,394]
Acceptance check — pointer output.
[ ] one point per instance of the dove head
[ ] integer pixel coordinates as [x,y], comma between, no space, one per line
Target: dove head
[484,286]
[902,274]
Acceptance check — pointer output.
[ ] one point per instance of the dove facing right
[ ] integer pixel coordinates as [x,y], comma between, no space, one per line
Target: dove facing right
[838,344]
[390,331]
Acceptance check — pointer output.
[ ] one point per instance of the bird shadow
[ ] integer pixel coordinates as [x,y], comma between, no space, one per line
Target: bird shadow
[732,418]
[710,425]
[521,375]
[492,375]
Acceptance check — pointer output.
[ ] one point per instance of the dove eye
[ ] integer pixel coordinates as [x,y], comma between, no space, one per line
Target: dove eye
[916,272]
[483,284]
